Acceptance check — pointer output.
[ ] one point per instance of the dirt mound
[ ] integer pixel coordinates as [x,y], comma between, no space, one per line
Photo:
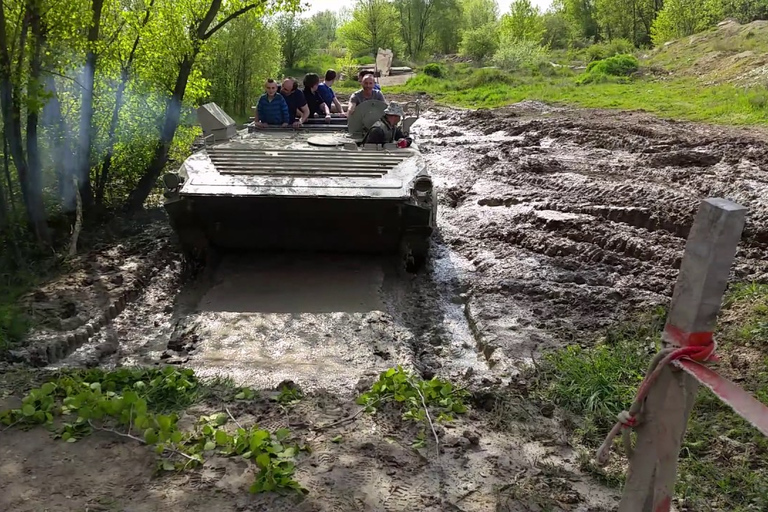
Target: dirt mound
[728,53]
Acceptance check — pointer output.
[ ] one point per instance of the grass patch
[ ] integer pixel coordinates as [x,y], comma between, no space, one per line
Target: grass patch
[724,460]
[681,98]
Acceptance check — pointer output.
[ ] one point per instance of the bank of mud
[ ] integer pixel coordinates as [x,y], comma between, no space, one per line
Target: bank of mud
[552,224]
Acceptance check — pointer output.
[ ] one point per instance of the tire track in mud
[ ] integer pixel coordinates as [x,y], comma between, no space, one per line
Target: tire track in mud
[571,220]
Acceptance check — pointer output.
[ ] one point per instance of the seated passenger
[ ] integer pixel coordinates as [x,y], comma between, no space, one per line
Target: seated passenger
[361,75]
[387,130]
[316,105]
[364,94]
[297,103]
[272,108]
[325,92]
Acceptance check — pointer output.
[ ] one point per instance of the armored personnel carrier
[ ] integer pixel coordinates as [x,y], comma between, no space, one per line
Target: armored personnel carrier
[316,188]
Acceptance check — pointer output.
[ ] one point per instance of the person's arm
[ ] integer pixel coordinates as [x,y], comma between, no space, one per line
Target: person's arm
[338,104]
[284,110]
[304,109]
[352,105]
[399,136]
[382,97]
[260,112]
[325,110]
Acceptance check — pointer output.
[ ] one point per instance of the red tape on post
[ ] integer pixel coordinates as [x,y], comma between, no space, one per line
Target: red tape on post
[744,404]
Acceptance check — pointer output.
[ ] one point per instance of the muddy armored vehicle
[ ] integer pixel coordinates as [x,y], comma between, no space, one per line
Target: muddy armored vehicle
[316,188]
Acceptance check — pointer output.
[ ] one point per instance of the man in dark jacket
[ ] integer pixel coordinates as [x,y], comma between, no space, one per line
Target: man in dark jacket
[387,130]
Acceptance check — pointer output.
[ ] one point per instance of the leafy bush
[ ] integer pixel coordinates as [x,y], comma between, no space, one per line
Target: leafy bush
[479,43]
[608,69]
[435,70]
[608,49]
[514,55]
[488,76]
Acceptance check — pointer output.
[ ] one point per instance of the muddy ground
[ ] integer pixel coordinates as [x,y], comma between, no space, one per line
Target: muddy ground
[552,224]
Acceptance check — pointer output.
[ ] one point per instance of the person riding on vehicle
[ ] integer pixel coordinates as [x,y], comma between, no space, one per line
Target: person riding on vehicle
[364,94]
[387,130]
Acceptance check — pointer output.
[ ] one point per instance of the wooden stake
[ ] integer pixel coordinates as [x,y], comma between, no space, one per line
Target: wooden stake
[696,302]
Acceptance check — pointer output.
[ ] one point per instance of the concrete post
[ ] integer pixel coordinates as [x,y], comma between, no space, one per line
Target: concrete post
[696,301]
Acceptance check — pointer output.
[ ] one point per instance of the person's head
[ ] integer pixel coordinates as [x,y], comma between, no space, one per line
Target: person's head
[394,113]
[361,74]
[330,76]
[368,82]
[311,81]
[271,87]
[289,85]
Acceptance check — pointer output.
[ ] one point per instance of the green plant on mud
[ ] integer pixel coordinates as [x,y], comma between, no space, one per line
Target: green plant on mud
[139,404]
[724,460]
[416,397]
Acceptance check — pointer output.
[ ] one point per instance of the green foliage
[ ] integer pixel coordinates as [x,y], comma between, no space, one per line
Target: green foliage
[139,404]
[479,43]
[524,22]
[434,70]
[602,70]
[516,54]
[724,460]
[679,18]
[600,51]
[297,38]
[374,24]
[415,397]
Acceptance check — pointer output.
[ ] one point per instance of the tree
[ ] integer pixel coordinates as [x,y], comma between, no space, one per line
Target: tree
[446,36]
[324,25]
[480,30]
[681,18]
[374,25]
[191,23]
[417,23]
[557,30]
[478,13]
[523,22]
[238,61]
[582,16]
[297,38]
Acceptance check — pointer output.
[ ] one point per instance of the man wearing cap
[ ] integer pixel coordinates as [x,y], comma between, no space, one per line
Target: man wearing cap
[387,130]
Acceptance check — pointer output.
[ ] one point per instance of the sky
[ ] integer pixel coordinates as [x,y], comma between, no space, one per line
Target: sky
[335,5]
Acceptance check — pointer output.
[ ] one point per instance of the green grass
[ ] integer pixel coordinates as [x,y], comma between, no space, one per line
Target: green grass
[681,98]
[724,460]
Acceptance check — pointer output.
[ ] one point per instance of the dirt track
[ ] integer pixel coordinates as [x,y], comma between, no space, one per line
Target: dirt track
[553,223]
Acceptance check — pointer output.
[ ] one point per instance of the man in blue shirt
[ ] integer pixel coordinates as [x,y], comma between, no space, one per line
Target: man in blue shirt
[272,108]
[297,103]
[325,92]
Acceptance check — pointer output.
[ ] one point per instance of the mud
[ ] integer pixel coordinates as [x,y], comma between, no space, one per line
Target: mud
[552,224]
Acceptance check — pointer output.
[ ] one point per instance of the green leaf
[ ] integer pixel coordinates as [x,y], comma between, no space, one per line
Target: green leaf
[168,465]
[209,445]
[28,410]
[222,438]
[282,433]
[220,419]
[176,437]
[263,460]
[336,439]
[150,436]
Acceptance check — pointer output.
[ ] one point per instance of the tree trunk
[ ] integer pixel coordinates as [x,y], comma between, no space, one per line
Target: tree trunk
[86,109]
[61,145]
[35,172]
[107,163]
[172,115]
[10,103]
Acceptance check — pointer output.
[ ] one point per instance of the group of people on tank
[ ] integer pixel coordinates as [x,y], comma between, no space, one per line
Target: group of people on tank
[288,105]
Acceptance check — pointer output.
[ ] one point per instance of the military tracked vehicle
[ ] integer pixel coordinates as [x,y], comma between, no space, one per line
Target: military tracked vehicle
[316,188]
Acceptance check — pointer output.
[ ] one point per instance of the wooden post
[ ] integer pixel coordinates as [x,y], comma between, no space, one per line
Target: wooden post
[696,301]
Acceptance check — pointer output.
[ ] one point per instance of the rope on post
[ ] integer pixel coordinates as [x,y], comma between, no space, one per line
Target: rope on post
[704,352]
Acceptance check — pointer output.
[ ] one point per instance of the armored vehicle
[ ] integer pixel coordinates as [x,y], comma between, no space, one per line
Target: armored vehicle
[315,188]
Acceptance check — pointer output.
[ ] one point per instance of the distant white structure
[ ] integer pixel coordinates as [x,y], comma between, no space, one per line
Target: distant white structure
[384,62]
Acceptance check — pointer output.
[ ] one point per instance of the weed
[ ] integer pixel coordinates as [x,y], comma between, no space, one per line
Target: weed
[435,70]
[416,397]
[724,460]
[602,70]
[129,402]
[289,395]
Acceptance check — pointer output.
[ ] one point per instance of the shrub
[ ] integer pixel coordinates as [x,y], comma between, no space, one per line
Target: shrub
[608,49]
[609,69]
[487,76]
[434,70]
[479,43]
[514,55]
